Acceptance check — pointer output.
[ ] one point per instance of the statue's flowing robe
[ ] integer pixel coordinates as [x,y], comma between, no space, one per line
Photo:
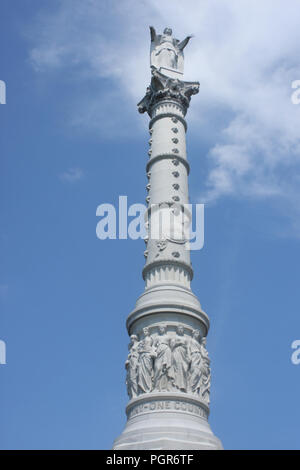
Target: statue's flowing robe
[132,372]
[162,367]
[205,379]
[167,53]
[196,364]
[180,362]
[145,376]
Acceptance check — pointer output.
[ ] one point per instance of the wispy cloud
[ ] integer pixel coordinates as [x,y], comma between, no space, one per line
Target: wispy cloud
[72,175]
[245,55]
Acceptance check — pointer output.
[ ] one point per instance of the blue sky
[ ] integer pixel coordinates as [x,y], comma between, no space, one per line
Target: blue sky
[71,139]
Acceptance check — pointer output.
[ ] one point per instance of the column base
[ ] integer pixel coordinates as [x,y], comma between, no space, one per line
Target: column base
[170,421]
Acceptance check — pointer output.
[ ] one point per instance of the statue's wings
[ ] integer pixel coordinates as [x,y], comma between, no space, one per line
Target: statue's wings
[181,45]
[152,33]
[155,38]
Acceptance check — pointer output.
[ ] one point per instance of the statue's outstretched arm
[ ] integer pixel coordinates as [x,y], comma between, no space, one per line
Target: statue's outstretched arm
[183,43]
[152,33]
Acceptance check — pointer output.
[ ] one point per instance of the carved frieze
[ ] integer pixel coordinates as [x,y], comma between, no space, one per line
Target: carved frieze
[164,360]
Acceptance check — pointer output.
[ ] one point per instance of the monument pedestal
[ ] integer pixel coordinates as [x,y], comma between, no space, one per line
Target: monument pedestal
[167,420]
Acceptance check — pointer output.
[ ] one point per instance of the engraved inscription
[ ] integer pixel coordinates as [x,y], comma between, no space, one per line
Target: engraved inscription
[167,405]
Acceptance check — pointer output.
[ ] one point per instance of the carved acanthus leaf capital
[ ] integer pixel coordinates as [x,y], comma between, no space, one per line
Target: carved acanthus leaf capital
[163,87]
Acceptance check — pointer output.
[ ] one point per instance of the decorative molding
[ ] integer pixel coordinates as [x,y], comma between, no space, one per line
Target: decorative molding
[167,115]
[166,263]
[178,159]
[173,274]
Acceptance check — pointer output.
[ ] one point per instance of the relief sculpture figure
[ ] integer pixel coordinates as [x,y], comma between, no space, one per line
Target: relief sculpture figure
[196,363]
[205,378]
[163,374]
[146,357]
[131,366]
[180,359]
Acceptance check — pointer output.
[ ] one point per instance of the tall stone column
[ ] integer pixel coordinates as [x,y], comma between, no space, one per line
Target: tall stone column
[168,368]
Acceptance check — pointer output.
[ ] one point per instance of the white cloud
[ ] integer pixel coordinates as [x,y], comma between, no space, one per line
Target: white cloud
[72,175]
[244,53]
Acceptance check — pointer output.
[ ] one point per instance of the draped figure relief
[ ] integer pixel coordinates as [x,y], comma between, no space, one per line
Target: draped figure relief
[180,359]
[163,373]
[196,362]
[131,366]
[146,362]
[205,379]
[168,361]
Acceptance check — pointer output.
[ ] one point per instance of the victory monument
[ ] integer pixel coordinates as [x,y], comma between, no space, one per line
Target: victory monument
[168,367]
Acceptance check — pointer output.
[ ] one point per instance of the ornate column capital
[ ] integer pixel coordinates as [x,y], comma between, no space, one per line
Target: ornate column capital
[166,88]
